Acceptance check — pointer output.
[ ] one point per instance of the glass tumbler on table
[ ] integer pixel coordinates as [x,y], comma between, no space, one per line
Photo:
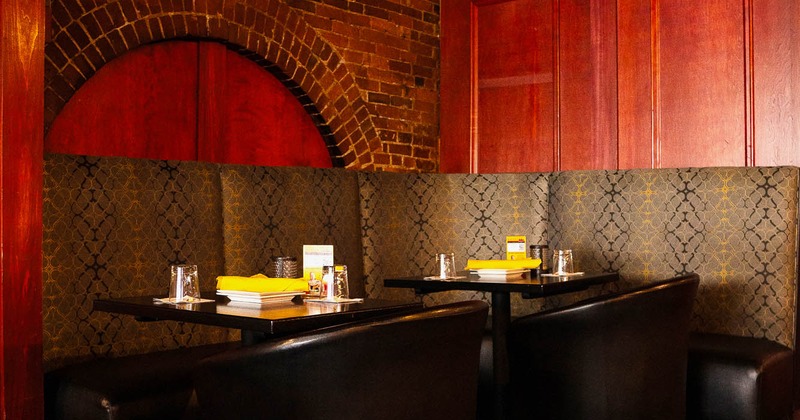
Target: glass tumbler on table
[446,264]
[184,285]
[562,262]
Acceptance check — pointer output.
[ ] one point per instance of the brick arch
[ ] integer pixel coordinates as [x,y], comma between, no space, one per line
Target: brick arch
[269,33]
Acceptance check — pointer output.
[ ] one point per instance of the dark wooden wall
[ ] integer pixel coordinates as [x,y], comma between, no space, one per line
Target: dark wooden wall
[188,100]
[541,85]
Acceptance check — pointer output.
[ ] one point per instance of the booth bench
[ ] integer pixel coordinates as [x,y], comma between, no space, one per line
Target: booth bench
[112,227]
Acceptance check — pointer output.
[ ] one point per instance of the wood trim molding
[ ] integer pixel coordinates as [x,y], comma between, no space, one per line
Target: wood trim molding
[749,84]
[474,138]
[556,86]
[655,67]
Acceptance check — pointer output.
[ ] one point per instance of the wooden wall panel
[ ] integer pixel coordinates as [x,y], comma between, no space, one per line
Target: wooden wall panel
[188,100]
[586,56]
[777,82]
[637,84]
[143,104]
[22,34]
[252,118]
[515,86]
[457,82]
[702,98]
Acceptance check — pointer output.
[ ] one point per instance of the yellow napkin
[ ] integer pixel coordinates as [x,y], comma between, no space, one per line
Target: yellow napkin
[261,283]
[503,264]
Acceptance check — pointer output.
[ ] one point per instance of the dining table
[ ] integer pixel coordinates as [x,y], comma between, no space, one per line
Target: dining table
[256,321]
[529,286]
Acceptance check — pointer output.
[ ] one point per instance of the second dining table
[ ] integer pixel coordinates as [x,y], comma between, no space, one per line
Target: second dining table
[501,289]
[256,321]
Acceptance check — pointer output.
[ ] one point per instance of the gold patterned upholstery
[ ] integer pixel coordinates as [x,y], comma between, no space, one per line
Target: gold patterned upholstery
[408,218]
[271,211]
[112,227]
[735,227]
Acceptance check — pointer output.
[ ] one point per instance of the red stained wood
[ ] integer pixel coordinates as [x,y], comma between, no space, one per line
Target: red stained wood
[188,101]
[21,121]
[777,82]
[636,84]
[702,84]
[456,136]
[587,85]
[635,92]
[142,104]
[515,87]
[250,117]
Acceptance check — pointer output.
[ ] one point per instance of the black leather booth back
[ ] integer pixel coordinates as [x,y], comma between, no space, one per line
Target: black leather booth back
[620,356]
[417,366]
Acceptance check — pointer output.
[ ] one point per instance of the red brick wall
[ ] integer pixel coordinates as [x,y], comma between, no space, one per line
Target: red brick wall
[370,67]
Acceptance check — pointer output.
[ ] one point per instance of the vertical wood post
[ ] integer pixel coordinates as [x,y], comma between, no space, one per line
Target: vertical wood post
[22,37]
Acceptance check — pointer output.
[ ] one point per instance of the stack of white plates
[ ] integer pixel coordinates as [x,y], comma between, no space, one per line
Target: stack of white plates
[257,297]
[500,273]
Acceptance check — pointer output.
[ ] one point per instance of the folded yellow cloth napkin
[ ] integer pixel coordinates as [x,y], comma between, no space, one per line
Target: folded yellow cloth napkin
[261,283]
[503,264]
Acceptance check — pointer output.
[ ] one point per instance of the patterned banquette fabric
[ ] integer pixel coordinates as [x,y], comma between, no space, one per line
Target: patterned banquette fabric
[270,211]
[408,218]
[735,227]
[112,227]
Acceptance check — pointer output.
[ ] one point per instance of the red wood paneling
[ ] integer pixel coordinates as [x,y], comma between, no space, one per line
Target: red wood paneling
[143,104]
[587,84]
[702,83]
[635,85]
[638,83]
[456,87]
[251,117]
[188,100]
[777,82]
[515,86]
[21,121]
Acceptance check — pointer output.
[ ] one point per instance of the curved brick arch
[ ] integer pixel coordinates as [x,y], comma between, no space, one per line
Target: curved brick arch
[269,33]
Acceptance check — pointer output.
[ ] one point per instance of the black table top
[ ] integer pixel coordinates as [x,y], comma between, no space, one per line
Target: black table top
[529,287]
[276,318]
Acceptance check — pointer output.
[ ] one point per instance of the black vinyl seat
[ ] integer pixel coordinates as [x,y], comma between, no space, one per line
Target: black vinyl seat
[412,366]
[618,356]
[154,385]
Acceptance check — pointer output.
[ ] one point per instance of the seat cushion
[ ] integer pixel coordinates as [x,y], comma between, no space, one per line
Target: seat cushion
[731,377]
[146,386]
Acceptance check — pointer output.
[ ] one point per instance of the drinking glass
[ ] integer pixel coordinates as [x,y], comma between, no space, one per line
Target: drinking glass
[562,261]
[341,286]
[446,263]
[336,282]
[184,285]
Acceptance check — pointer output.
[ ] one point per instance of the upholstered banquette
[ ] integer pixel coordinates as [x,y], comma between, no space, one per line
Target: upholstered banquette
[114,225]
[735,227]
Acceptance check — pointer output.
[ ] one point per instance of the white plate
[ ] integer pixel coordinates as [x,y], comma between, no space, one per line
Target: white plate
[500,273]
[258,297]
